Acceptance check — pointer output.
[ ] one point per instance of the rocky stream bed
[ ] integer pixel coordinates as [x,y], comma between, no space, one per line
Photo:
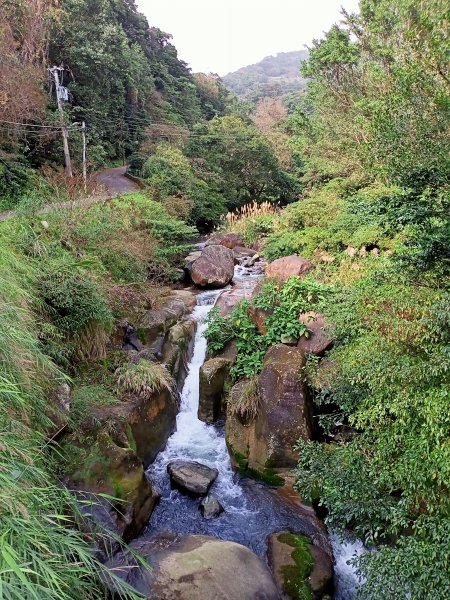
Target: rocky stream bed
[209,530]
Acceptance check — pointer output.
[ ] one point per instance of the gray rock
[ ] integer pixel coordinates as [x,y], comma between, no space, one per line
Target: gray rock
[192,567]
[213,375]
[191,476]
[210,507]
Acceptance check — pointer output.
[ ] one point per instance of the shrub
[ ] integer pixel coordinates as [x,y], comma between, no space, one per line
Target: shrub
[283,305]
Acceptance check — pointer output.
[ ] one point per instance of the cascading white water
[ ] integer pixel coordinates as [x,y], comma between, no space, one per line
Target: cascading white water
[346,581]
[194,439]
[252,510]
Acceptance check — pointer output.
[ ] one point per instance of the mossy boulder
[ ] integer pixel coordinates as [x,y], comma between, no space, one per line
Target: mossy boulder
[241,441]
[285,408]
[193,567]
[301,570]
[153,325]
[108,479]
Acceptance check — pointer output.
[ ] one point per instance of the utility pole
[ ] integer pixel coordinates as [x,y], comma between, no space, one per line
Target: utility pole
[65,134]
[83,131]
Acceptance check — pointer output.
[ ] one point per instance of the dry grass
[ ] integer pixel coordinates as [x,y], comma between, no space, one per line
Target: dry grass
[143,379]
[246,404]
[250,211]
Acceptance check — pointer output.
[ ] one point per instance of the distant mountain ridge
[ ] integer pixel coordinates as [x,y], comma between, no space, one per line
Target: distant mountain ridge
[276,75]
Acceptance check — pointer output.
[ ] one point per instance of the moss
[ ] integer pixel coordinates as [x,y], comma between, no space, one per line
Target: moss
[267,476]
[295,577]
[241,461]
[130,438]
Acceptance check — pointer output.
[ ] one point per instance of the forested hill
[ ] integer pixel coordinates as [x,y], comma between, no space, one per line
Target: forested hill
[121,73]
[272,76]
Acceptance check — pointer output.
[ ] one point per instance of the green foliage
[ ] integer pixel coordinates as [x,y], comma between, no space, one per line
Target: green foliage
[169,174]
[74,300]
[283,308]
[246,405]
[42,554]
[131,238]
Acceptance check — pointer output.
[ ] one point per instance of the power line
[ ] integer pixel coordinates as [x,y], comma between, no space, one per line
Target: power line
[58,127]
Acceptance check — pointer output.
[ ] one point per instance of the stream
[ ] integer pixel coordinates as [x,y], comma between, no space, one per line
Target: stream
[252,510]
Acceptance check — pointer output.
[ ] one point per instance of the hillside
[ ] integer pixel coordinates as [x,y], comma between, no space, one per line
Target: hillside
[272,76]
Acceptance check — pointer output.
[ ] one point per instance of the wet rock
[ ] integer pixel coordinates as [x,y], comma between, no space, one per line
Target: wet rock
[213,375]
[214,268]
[318,341]
[191,476]
[288,266]
[193,567]
[300,569]
[229,240]
[130,338]
[244,256]
[210,507]
[154,324]
[143,422]
[228,299]
[177,349]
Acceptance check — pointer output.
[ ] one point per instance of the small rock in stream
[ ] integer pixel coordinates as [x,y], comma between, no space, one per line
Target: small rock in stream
[191,476]
[210,507]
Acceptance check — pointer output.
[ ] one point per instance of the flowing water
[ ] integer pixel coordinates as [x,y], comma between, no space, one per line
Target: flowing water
[252,510]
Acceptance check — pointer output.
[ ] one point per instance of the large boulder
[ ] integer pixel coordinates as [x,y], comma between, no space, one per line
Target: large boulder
[193,567]
[300,569]
[153,325]
[285,408]
[191,477]
[284,415]
[229,240]
[214,268]
[213,375]
[102,468]
[288,266]
[317,341]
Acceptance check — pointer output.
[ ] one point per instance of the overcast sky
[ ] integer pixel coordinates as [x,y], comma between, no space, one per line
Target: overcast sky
[220,36]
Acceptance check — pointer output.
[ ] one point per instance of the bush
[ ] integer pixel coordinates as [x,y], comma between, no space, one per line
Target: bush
[283,305]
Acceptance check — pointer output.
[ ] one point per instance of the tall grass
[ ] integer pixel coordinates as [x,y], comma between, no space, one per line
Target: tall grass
[42,556]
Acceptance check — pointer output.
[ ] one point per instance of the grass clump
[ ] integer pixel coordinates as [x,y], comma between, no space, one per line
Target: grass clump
[246,405]
[143,379]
